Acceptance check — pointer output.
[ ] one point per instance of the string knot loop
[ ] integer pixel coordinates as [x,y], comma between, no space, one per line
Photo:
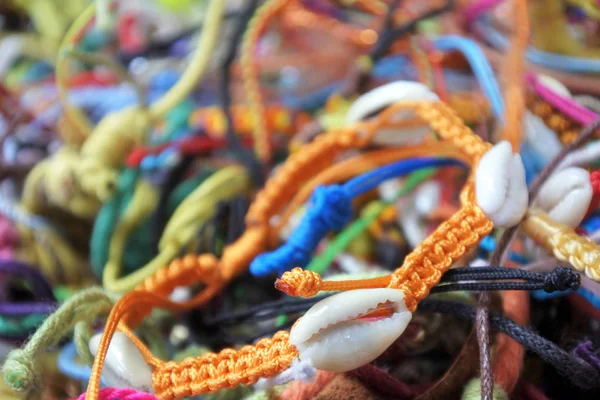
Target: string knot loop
[299,283]
[562,278]
[331,209]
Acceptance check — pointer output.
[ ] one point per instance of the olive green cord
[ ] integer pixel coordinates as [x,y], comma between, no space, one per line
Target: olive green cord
[473,391]
[320,263]
[81,337]
[20,370]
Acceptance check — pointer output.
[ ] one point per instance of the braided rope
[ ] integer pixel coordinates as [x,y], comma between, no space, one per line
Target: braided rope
[224,370]
[566,245]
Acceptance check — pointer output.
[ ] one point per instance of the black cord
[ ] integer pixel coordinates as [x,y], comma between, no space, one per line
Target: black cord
[390,34]
[561,278]
[255,168]
[577,370]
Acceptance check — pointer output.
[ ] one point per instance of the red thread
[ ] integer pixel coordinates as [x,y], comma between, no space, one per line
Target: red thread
[189,146]
[595,181]
[121,394]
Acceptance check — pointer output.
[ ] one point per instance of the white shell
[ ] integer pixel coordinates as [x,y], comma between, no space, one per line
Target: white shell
[328,337]
[125,366]
[500,187]
[427,198]
[386,95]
[566,196]
[554,85]
[410,221]
[542,139]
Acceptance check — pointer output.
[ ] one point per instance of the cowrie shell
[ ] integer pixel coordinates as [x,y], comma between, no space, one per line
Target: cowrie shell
[386,95]
[566,196]
[500,187]
[124,366]
[328,336]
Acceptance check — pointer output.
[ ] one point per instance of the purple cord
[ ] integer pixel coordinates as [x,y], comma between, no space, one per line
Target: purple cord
[586,352]
[45,302]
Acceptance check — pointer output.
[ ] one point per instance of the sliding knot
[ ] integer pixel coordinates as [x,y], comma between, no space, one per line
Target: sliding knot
[19,371]
[562,278]
[331,209]
[299,283]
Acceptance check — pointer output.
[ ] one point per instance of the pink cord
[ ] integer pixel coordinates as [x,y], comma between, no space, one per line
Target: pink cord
[567,106]
[475,9]
[121,394]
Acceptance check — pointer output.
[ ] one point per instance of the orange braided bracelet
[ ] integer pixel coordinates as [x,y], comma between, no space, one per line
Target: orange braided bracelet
[421,271]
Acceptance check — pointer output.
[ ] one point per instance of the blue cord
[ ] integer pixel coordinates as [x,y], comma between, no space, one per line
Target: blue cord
[68,366]
[539,57]
[488,244]
[583,292]
[330,210]
[480,66]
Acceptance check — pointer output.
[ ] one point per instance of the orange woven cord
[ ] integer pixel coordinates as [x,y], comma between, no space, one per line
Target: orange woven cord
[250,73]
[357,165]
[304,283]
[514,96]
[424,266]
[296,16]
[180,272]
[452,129]
[314,157]
[224,370]
[300,166]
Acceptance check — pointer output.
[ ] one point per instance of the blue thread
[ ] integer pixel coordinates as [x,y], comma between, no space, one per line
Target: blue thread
[488,244]
[330,210]
[589,296]
[592,224]
[539,57]
[480,66]
[586,294]
[68,366]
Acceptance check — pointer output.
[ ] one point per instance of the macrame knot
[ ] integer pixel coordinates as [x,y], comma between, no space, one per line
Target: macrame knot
[299,283]
[331,206]
[19,371]
[331,209]
[562,278]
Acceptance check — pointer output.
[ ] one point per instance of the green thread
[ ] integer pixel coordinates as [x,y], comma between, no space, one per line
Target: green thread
[473,391]
[107,218]
[320,263]
[20,369]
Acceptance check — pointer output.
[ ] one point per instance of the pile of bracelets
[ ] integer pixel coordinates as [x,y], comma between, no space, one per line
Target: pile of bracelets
[299,199]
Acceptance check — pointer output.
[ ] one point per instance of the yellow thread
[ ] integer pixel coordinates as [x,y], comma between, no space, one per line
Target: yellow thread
[196,209]
[562,241]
